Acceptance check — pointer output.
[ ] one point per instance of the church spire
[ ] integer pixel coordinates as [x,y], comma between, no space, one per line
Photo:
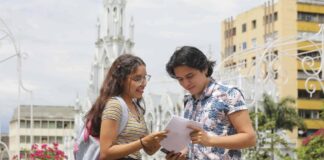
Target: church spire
[131,29]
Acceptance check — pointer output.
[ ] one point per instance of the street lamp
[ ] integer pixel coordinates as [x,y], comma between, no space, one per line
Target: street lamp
[8,34]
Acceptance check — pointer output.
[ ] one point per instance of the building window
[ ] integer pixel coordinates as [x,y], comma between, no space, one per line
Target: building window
[44,139]
[72,124]
[66,124]
[51,124]
[254,24]
[59,124]
[243,27]
[37,139]
[270,18]
[27,139]
[59,139]
[275,16]
[22,139]
[44,124]
[22,124]
[233,31]
[244,45]
[37,124]
[254,43]
[313,54]
[28,124]
[51,139]
[310,17]
[309,114]
[303,94]
[230,32]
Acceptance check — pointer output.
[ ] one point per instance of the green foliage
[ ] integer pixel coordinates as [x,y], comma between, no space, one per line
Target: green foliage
[313,150]
[274,117]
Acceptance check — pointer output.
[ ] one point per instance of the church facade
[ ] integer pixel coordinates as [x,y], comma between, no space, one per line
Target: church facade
[112,42]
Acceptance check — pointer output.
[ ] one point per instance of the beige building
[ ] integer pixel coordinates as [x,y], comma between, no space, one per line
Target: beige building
[277,41]
[50,124]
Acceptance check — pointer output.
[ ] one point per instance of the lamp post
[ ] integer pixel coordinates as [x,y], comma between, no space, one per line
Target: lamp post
[8,34]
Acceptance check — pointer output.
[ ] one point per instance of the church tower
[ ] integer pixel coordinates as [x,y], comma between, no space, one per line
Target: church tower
[110,43]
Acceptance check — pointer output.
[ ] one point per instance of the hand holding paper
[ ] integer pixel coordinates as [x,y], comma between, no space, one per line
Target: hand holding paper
[199,136]
[178,136]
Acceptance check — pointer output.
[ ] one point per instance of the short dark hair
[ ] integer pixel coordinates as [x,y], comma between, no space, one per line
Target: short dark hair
[191,57]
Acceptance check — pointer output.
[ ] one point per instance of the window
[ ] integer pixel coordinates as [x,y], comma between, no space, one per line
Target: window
[28,124]
[72,124]
[51,124]
[243,28]
[244,45]
[254,43]
[314,54]
[309,114]
[66,124]
[44,124]
[233,31]
[270,18]
[27,139]
[44,139]
[22,124]
[59,139]
[37,139]
[234,48]
[22,139]
[51,139]
[302,93]
[254,24]
[59,124]
[37,124]
[275,16]
[310,17]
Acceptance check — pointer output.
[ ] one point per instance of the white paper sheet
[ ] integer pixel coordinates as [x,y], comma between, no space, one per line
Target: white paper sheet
[178,137]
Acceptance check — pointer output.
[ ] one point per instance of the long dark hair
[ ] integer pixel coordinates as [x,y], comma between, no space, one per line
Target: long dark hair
[191,57]
[113,85]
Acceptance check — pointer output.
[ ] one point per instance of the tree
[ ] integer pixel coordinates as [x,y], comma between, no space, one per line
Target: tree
[274,117]
[313,149]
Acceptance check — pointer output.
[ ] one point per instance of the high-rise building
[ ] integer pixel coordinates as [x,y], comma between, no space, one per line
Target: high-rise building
[280,42]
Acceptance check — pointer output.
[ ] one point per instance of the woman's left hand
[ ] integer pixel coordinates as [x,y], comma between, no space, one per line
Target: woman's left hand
[199,136]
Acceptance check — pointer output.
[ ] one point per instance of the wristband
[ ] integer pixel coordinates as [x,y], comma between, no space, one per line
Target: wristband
[143,146]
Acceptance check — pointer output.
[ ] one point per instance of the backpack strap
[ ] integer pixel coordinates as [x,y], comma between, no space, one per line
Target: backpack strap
[124,117]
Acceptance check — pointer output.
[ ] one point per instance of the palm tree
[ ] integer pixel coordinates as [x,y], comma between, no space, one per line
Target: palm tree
[280,116]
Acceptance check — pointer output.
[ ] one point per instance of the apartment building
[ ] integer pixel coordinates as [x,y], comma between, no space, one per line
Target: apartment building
[282,33]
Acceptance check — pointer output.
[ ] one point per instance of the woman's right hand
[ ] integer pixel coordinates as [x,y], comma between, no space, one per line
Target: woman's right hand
[151,142]
[154,138]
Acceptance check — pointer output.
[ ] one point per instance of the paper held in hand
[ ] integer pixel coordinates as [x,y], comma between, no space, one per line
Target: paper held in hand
[178,137]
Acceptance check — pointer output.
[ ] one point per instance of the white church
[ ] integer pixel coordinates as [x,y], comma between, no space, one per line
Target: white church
[111,42]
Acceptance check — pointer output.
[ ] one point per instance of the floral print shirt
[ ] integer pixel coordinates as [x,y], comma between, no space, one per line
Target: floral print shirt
[212,109]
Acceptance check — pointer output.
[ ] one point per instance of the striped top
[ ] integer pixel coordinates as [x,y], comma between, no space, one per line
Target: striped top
[134,128]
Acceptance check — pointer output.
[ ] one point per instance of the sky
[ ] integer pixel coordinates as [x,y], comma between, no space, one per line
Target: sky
[56,39]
